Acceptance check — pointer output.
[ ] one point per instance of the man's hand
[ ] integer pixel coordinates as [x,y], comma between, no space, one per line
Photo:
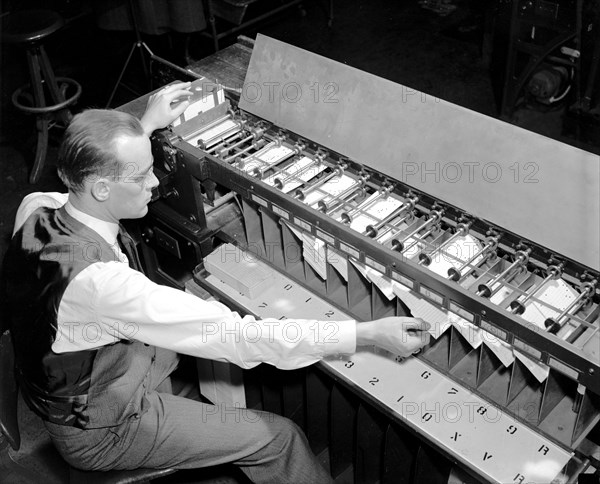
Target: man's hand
[400,335]
[163,108]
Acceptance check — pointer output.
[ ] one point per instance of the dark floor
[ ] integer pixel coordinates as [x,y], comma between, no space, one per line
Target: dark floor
[440,55]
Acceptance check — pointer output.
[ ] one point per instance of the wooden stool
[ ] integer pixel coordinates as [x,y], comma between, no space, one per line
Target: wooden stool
[29,28]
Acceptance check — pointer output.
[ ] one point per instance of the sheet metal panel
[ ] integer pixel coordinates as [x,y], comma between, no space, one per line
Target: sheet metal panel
[537,187]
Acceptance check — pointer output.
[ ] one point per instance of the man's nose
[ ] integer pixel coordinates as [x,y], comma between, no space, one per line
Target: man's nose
[153,181]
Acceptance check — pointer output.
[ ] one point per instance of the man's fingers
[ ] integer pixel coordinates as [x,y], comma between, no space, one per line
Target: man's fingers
[180,95]
[425,338]
[179,109]
[176,86]
[400,335]
[416,324]
[416,342]
[174,92]
[418,336]
[418,339]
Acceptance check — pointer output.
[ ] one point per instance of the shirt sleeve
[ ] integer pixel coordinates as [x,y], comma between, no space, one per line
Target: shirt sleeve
[121,303]
[35,200]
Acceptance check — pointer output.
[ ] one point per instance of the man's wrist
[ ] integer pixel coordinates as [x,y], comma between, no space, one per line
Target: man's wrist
[365,334]
[147,127]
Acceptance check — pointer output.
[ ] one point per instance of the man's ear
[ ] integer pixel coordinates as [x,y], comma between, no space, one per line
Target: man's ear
[100,189]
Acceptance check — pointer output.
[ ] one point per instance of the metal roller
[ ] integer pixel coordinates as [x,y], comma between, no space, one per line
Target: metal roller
[518,306]
[462,229]
[554,325]
[434,218]
[373,230]
[487,289]
[338,171]
[488,251]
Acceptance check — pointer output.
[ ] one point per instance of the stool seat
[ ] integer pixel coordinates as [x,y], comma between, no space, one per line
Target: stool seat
[27,26]
[47,97]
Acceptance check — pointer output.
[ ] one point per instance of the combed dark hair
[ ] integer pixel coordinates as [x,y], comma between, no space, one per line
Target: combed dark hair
[88,147]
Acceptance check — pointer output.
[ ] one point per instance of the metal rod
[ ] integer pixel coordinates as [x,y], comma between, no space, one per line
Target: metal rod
[316,161]
[227,149]
[281,182]
[220,143]
[255,133]
[352,193]
[212,124]
[518,307]
[461,230]
[230,132]
[220,120]
[554,325]
[434,216]
[365,205]
[373,230]
[455,274]
[325,206]
[486,290]
[255,145]
[578,398]
[259,172]
[396,225]
[255,156]
[509,278]
[299,146]
[337,171]
[416,240]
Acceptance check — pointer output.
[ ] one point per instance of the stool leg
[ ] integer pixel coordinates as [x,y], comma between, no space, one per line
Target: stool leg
[50,79]
[33,61]
[43,125]
[42,122]
[213,28]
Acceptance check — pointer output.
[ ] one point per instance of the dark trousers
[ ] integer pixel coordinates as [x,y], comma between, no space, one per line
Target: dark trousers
[181,433]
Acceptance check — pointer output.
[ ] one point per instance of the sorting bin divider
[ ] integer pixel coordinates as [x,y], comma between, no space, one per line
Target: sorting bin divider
[359,294]
[337,287]
[292,251]
[253,225]
[272,239]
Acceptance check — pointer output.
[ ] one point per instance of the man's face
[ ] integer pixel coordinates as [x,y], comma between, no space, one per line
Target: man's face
[132,190]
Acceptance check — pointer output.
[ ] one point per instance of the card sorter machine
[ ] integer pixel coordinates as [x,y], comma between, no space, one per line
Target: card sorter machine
[316,195]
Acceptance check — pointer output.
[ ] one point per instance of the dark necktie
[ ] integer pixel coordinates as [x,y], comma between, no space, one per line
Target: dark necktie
[127,245]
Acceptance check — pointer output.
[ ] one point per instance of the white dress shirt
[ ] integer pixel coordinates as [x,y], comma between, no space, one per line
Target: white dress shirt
[109,301]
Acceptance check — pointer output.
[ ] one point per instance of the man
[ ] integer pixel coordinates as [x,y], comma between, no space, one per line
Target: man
[96,340]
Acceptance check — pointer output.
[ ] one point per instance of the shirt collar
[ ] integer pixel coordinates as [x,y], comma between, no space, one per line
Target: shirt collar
[107,230]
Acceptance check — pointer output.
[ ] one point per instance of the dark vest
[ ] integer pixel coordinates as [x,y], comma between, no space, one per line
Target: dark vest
[87,389]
